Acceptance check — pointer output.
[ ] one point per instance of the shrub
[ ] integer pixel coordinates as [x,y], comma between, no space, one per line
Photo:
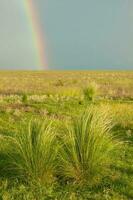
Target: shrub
[59,83]
[86,146]
[90,91]
[24,98]
[31,154]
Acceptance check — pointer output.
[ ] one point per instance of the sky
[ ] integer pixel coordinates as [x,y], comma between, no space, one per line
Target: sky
[77,34]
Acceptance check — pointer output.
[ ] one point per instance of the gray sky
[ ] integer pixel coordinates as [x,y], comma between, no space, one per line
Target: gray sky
[80,34]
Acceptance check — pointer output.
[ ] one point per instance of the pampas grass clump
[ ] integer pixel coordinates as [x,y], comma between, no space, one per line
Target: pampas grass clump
[87,146]
[31,154]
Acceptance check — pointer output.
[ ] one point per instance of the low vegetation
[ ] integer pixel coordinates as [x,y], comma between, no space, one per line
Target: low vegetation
[30,154]
[86,146]
[90,91]
[66,135]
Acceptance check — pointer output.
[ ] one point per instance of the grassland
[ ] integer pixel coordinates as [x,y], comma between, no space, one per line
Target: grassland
[60,97]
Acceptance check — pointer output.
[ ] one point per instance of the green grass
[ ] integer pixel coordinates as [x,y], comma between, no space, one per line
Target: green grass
[90,91]
[87,145]
[30,155]
[54,100]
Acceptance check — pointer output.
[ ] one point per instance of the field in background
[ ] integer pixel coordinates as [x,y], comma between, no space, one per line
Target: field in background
[116,84]
[59,95]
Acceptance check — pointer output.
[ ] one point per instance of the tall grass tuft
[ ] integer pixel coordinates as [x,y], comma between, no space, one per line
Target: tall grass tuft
[31,154]
[90,91]
[24,98]
[87,146]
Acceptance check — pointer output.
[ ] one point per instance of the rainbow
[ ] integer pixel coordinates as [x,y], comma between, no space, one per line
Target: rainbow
[37,34]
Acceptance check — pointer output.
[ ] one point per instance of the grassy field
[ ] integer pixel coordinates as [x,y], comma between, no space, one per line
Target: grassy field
[66,135]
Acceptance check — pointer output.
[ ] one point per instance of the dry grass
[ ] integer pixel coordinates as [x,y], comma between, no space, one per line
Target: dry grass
[111,83]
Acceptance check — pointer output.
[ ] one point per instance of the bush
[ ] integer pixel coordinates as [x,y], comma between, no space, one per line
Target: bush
[31,154]
[24,98]
[90,91]
[59,83]
[86,146]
